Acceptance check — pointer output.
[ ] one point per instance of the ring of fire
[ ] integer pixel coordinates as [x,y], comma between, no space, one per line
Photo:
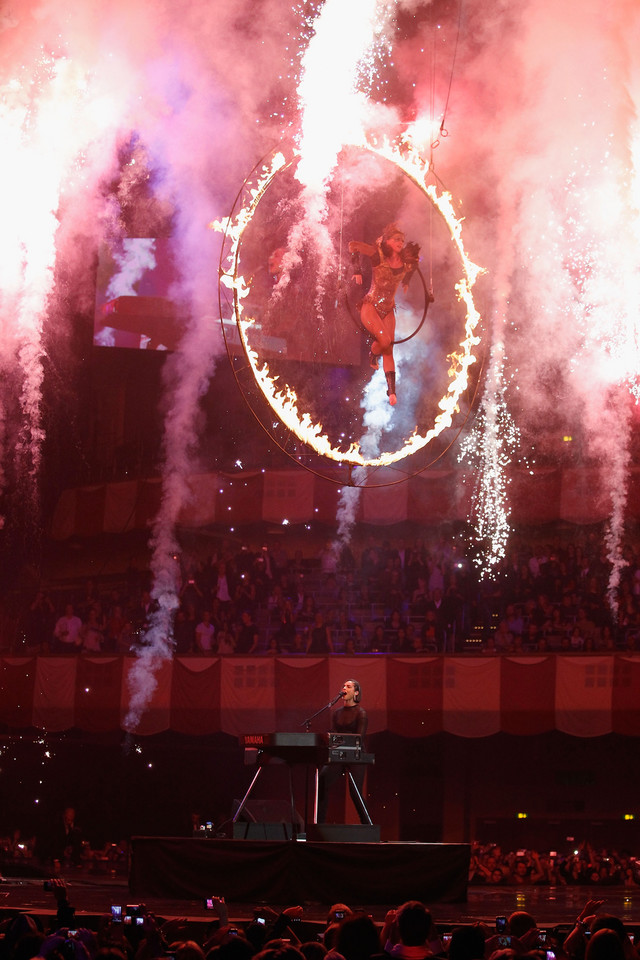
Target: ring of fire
[283,400]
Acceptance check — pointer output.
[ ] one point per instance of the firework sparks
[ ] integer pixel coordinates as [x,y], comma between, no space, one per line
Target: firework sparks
[489,449]
[564,246]
[38,120]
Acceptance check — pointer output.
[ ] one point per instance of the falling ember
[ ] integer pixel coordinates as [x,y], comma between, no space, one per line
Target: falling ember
[282,398]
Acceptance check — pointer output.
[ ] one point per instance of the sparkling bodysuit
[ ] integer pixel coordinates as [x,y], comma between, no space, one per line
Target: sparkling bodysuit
[384,283]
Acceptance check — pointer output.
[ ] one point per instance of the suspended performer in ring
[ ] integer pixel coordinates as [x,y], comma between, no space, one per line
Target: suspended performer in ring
[393,264]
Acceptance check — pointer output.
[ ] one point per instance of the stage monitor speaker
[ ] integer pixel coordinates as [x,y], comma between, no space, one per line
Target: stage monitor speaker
[243,830]
[344,832]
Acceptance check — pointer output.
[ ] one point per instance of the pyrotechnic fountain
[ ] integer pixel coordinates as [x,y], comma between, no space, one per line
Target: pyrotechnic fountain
[542,104]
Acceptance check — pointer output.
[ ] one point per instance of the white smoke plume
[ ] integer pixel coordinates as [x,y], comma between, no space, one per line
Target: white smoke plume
[333,110]
[133,259]
[534,106]
[378,415]
[84,90]
[554,131]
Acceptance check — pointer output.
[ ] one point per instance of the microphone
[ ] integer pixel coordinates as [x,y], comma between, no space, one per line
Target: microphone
[339,697]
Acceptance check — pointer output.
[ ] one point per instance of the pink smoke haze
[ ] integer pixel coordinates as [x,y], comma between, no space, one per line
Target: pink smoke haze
[529,114]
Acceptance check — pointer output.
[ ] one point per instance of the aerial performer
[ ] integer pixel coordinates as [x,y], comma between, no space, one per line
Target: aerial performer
[393,263]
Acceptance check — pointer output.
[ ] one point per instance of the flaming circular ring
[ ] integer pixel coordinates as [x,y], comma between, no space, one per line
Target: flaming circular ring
[283,401]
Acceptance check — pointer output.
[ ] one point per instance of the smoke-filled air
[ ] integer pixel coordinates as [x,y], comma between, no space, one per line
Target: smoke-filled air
[503,138]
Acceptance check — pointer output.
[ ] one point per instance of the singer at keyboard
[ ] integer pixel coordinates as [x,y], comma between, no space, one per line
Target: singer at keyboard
[349,718]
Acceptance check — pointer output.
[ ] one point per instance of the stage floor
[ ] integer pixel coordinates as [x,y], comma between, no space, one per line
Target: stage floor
[93,897]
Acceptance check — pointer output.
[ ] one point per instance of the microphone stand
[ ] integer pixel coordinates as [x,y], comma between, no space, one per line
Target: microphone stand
[307,723]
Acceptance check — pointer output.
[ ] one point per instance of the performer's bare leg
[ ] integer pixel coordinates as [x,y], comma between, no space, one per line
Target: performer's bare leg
[383,330]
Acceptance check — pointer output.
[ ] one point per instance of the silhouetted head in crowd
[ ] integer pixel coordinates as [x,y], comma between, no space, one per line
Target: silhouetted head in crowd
[279,950]
[313,950]
[606,921]
[187,950]
[467,943]
[233,946]
[338,912]
[68,949]
[414,923]
[358,937]
[21,926]
[255,932]
[112,940]
[605,944]
[27,946]
[520,922]
[110,953]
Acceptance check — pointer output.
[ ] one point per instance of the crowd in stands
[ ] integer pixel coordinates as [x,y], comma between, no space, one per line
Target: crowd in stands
[62,845]
[393,597]
[408,932]
[583,866]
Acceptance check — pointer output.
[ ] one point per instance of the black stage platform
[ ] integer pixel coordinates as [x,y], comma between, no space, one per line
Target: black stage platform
[300,871]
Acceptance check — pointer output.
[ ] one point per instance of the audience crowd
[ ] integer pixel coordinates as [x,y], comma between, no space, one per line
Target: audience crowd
[489,865]
[408,932]
[393,597]
[582,866]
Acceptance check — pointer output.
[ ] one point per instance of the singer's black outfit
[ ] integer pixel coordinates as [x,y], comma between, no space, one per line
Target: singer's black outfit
[345,720]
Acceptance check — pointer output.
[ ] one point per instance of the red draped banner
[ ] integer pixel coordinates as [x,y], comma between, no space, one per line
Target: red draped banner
[296,496]
[583,696]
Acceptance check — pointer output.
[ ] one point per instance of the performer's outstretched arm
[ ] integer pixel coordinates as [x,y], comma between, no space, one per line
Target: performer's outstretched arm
[359,246]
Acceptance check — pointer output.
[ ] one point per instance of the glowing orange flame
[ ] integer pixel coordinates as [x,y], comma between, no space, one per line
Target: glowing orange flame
[283,400]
